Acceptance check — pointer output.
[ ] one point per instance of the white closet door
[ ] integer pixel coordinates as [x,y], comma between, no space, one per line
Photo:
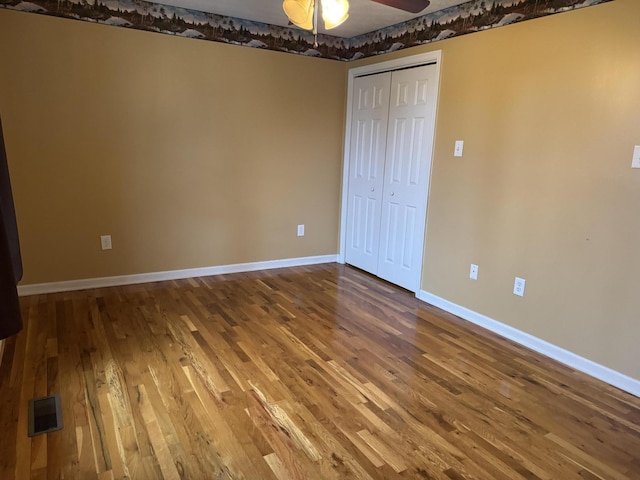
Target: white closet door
[406,177]
[370,113]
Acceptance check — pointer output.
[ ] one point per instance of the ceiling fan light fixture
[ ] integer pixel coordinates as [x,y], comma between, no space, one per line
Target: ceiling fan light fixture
[334,12]
[300,12]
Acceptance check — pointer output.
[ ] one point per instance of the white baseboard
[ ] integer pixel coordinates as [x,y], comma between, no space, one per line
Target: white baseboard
[71,285]
[582,364]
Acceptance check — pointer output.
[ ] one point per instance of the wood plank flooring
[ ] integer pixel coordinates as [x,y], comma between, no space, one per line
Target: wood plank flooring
[318,372]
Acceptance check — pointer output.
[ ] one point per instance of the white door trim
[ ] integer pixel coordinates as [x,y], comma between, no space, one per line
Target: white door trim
[411,61]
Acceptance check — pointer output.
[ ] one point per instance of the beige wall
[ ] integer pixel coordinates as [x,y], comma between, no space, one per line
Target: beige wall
[190,153]
[136,134]
[550,112]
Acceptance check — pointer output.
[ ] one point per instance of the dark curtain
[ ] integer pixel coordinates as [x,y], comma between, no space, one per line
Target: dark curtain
[10,259]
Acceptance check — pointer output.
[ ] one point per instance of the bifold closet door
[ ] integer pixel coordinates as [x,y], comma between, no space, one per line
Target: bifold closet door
[406,176]
[370,114]
[390,158]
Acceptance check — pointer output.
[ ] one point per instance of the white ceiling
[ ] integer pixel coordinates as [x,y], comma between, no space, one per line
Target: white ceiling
[364,15]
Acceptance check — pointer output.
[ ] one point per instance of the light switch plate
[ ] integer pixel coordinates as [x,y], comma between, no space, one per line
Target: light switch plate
[473,272]
[635,163]
[301,230]
[457,151]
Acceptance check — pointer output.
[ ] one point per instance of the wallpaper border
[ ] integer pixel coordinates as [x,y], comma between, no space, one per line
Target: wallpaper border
[469,17]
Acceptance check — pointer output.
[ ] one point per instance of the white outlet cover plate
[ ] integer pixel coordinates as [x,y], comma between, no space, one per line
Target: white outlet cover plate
[635,163]
[518,286]
[105,242]
[301,230]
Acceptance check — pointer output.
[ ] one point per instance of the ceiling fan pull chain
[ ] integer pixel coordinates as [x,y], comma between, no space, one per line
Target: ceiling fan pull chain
[315,23]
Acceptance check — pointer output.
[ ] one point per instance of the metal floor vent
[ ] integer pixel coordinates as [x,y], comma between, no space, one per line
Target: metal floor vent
[45,415]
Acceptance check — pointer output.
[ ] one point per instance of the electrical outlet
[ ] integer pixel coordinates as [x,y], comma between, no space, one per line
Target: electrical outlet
[301,230]
[635,163]
[473,272]
[105,242]
[518,287]
[457,151]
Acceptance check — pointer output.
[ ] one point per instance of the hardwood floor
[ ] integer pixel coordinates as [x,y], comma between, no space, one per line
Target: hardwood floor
[318,372]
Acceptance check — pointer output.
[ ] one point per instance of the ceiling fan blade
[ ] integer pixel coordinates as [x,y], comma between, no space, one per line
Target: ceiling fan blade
[413,6]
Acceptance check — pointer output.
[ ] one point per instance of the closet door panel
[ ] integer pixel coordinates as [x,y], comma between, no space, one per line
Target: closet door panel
[370,113]
[406,179]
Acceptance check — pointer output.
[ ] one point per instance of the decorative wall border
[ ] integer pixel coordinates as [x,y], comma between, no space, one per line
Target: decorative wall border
[469,17]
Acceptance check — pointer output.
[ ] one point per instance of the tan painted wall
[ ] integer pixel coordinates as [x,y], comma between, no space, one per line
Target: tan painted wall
[190,153]
[549,111]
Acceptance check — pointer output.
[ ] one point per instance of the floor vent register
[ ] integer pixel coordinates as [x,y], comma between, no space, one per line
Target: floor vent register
[45,415]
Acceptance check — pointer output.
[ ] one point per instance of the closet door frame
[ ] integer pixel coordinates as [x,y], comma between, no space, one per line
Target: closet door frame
[434,57]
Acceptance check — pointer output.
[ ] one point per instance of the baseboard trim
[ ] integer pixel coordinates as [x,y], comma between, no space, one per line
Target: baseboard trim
[71,285]
[582,364]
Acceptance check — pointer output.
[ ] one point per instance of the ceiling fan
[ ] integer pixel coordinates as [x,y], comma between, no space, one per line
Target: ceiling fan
[412,6]
[304,13]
